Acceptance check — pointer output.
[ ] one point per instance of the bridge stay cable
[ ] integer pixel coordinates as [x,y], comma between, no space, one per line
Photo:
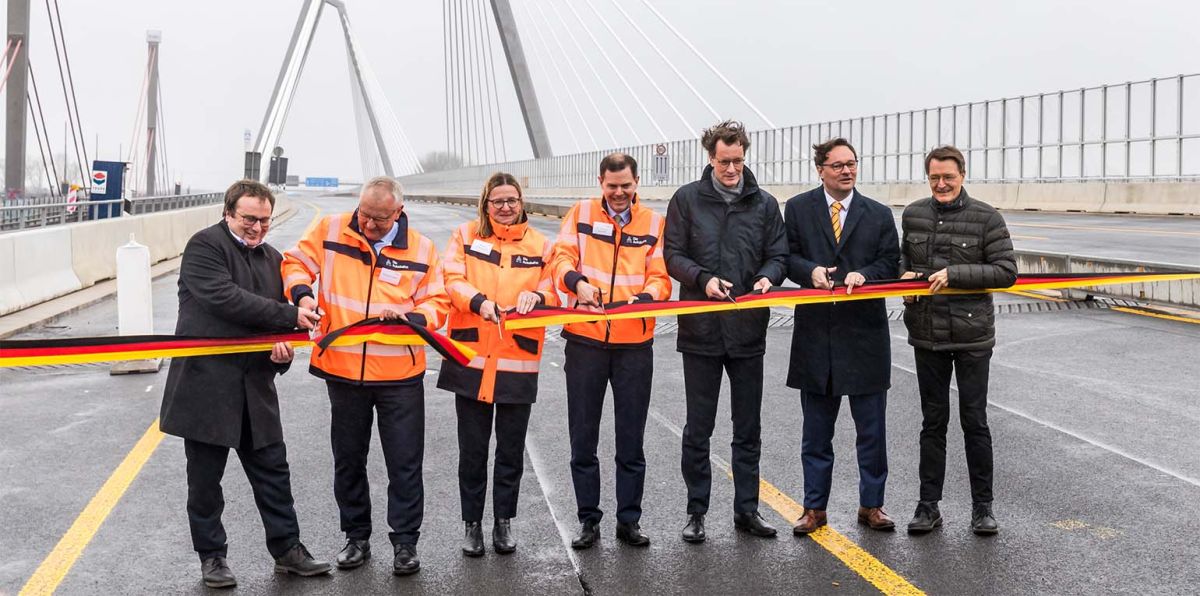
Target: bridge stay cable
[596,77]
[495,84]
[34,95]
[71,85]
[483,83]
[654,46]
[583,86]
[599,15]
[485,60]
[62,77]
[554,88]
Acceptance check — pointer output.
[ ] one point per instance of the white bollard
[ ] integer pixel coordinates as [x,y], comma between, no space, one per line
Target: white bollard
[135,304]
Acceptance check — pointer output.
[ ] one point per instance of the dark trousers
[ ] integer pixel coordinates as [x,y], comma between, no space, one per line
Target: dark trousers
[589,371]
[702,384]
[933,378]
[401,413]
[474,435]
[869,411]
[270,481]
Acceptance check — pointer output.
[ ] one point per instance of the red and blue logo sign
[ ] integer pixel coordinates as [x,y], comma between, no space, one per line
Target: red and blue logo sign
[99,178]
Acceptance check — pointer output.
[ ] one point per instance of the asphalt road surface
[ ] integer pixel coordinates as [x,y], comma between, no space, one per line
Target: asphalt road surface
[1093,413]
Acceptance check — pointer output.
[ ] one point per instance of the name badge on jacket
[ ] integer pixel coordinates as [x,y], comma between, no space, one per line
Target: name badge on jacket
[390,276]
[481,247]
[602,228]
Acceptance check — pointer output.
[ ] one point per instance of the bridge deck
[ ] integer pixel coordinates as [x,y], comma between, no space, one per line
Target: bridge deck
[1093,416]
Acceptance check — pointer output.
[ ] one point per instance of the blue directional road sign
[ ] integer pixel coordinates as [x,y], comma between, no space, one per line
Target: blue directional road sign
[321,182]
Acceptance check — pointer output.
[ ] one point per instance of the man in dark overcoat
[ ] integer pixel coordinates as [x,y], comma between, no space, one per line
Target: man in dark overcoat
[838,240]
[229,286]
[724,238]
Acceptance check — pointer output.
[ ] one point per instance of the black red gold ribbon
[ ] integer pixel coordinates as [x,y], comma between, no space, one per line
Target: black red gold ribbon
[84,350]
[546,316]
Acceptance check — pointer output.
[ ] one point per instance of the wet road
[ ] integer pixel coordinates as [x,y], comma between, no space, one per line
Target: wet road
[1093,414]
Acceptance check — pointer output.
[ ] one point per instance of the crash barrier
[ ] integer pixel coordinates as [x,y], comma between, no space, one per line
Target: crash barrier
[37,213]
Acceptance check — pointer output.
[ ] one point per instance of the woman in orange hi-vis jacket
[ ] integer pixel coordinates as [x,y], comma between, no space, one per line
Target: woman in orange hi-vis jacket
[492,264]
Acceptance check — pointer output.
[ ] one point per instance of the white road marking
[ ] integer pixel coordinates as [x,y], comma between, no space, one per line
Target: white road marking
[564,532]
[149,387]
[1084,438]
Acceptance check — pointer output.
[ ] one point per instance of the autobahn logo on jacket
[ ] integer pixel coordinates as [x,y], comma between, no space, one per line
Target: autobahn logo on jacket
[635,240]
[526,261]
[398,265]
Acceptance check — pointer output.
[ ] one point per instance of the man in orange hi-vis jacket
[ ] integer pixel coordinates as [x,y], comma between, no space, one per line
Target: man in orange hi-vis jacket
[371,263]
[610,250]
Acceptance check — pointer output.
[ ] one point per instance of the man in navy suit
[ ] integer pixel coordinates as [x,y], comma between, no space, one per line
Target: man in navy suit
[836,238]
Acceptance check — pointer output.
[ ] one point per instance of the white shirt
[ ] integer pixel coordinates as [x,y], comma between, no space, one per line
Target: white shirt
[829,201]
[387,239]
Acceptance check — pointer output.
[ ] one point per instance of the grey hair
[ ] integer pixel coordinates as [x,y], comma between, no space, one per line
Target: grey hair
[385,183]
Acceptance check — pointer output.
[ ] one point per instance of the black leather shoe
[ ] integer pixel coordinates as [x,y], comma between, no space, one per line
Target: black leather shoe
[502,539]
[406,561]
[983,523]
[693,532]
[926,518]
[754,523]
[297,560]
[216,573]
[589,532]
[632,534]
[472,545]
[354,554]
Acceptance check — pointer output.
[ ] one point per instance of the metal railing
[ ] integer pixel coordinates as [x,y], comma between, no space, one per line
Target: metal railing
[24,216]
[1134,131]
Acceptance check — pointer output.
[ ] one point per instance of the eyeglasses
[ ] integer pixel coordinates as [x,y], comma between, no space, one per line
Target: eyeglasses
[379,221]
[500,203]
[250,220]
[936,179]
[842,165]
[725,163]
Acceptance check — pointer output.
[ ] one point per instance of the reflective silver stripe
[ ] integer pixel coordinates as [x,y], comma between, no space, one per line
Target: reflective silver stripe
[637,280]
[522,366]
[304,259]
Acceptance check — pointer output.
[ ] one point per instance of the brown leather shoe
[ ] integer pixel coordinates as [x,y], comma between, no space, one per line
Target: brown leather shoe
[809,522]
[876,518]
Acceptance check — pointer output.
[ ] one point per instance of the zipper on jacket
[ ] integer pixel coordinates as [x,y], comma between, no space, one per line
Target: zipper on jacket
[362,369]
[613,280]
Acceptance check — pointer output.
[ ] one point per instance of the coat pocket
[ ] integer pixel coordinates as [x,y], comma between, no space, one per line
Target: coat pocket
[916,250]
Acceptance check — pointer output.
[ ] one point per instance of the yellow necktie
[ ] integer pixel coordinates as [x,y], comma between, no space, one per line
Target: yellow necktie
[834,214]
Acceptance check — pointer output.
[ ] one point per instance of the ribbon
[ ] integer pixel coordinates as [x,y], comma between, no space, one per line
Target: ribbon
[86,350]
[543,316]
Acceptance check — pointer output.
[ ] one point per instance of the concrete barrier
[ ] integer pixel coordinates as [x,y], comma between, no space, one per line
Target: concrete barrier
[1182,198]
[94,246]
[1084,197]
[1182,293]
[44,263]
[41,267]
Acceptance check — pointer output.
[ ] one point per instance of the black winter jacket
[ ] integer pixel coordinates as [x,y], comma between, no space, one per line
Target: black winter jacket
[226,290]
[968,238]
[740,242]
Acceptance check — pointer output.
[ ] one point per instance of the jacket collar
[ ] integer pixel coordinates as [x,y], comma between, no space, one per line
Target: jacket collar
[401,239]
[511,233]
[749,184]
[962,200]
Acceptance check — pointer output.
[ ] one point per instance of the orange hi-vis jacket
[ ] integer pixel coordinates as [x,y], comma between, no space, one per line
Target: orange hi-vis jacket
[514,259]
[353,283]
[622,262]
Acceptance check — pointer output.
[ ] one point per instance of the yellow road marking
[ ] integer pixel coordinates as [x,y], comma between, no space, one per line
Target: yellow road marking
[60,560]
[853,556]
[1146,313]
[1106,229]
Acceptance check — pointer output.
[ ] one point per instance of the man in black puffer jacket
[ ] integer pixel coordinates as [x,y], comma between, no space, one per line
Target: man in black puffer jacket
[724,238]
[955,241]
